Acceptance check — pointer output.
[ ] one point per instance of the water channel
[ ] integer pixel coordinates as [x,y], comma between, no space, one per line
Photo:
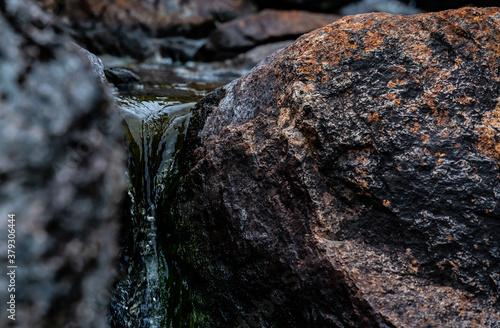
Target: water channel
[153,288]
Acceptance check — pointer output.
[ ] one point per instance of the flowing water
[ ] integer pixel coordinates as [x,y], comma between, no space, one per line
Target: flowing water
[152,289]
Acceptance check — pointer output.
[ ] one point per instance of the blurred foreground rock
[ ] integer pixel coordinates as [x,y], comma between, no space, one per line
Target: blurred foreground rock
[62,173]
[352,179]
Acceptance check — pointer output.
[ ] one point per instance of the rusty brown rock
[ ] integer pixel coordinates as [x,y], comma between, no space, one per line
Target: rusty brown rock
[269,25]
[352,179]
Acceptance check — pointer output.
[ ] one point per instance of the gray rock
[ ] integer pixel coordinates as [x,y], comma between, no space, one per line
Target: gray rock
[61,171]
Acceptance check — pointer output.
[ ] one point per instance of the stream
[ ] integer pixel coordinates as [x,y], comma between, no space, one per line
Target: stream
[152,288]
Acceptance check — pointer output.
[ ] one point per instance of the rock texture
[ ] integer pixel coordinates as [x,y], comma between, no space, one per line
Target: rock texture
[269,25]
[61,172]
[352,178]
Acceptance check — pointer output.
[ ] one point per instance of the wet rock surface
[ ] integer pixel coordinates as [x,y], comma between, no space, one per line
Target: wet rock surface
[267,26]
[62,173]
[352,179]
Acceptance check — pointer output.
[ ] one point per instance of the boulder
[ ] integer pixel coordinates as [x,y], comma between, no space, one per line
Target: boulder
[62,174]
[239,35]
[352,179]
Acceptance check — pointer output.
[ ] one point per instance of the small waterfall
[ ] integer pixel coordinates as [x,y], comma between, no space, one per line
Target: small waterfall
[151,289]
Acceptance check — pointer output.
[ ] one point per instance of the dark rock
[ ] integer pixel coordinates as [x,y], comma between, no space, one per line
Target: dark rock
[115,40]
[62,174]
[126,28]
[269,25]
[121,76]
[352,179]
[155,14]
[317,5]
[180,49]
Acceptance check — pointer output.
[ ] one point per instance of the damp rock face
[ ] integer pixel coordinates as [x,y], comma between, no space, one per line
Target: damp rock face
[352,178]
[61,171]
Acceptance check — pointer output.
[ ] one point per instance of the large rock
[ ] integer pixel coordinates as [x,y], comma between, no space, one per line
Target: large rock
[239,35]
[352,179]
[62,173]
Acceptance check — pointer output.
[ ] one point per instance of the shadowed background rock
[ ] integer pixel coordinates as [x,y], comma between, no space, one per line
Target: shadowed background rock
[241,34]
[126,28]
[356,172]
[61,171]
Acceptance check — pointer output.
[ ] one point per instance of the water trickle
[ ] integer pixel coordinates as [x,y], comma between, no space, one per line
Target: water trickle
[152,289]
